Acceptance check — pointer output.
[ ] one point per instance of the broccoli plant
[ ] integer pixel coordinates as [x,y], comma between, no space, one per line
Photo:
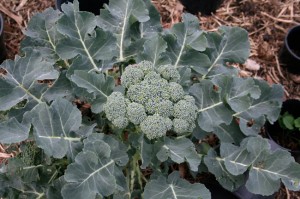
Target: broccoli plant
[113,106]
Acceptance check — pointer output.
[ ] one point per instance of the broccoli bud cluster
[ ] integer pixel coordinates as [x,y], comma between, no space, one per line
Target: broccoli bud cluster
[153,99]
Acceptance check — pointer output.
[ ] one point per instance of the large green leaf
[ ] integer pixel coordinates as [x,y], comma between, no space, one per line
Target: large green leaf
[225,178]
[180,150]
[21,79]
[265,168]
[118,18]
[269,103]
[95,169]
[42,33]
[54,127]
[83,38]
[97,84]
[175,188]
[89,175]
[225,97]
[155,51]
[12,131]
[185,40]
[230,44]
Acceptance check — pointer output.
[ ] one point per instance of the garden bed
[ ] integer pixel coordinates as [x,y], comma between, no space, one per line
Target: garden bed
[266,21]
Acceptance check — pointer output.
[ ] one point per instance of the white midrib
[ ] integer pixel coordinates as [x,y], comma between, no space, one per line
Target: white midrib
[173,191]
[181,50]
[96,171]
[216,60]
[84,46]
[64,138]
[166,147]
[95,88]
[123,33]
[253,167]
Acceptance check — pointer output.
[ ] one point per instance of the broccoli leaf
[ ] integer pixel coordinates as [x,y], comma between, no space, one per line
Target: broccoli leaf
[97,84]
[265,169]
[42,33]
[226,179]
[231,44]
[225,97]
[174,188]
[12,131]
[154,51]
[20,79]
[83,38]
[118,18]
[53,127]
[180,150]
[95,169]
[185,40]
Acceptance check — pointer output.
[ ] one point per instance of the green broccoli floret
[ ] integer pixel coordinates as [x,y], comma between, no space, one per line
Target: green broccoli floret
[185,110]
[146,66]
[154,126]
[176,92]
[136,113]
[115,109]
[180,126]
[169,73]
[120,122]
[132,75]
[153,100]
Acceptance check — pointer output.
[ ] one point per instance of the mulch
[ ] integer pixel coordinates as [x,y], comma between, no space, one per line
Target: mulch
[267,22]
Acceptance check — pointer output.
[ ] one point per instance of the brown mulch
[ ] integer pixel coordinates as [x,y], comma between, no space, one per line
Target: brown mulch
[267,22]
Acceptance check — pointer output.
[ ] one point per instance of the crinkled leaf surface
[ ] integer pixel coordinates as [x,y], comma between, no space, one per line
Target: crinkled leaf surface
[83,38]
[180,150]
[12,131]
[230,45]
[225,96]
[53,127]
[154,51]
[89,175]
[95,169]
[175,188]
[265,168]
[226,179]
[42,33]
[20,79]
[185,40]
[97,84]
[118,18]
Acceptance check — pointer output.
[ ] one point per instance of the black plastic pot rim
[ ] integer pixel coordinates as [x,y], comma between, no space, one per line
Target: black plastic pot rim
[1,24]
[286,42]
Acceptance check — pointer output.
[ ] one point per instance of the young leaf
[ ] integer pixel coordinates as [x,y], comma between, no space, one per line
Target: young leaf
[174,188]
[180,150]
[53,127]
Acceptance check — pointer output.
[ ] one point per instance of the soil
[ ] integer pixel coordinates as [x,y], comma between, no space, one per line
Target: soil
[267,22]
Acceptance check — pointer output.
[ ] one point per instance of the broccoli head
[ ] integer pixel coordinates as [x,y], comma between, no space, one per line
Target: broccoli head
[153,100]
